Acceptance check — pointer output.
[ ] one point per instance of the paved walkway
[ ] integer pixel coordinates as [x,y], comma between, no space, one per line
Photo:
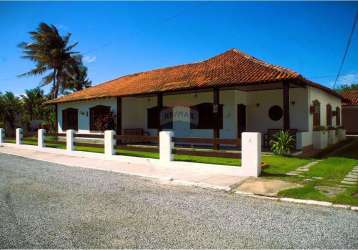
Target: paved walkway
[351,178]
[299,171]
[188,175]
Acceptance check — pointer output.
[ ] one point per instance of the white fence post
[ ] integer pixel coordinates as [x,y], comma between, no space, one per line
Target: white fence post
[19,136]
[70,139]
[109,142]
[2,136]
[41,138]
[166,146]
[251,153]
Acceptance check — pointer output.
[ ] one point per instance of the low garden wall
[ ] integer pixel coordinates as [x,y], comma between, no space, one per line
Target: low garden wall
[250,144]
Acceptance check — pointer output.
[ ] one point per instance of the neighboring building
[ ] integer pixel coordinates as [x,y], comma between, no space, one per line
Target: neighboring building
[220,97]
[350,111]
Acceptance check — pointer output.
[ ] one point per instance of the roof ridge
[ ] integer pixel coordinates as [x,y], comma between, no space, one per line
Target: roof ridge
[264,63]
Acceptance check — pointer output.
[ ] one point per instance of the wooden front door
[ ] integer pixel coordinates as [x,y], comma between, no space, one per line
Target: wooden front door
[69,119]
[241,119]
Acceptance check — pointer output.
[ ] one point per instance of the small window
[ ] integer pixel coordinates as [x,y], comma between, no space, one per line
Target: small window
[69,119]
[338,116]
[329,115]
[164,119]
[275,113]
[202,116]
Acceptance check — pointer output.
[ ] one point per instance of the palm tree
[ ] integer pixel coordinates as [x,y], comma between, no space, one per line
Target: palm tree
[52,54]
[33,100]
[10,108]
[77,79]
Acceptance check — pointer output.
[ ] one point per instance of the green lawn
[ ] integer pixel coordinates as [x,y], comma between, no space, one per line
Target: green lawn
[328,173]
[280,165]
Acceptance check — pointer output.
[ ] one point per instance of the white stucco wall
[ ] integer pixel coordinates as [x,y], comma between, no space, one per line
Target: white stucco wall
[324,98]
[134,112]
[259,103]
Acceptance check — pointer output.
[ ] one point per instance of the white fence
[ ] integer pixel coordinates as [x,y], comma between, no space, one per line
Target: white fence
[250,145]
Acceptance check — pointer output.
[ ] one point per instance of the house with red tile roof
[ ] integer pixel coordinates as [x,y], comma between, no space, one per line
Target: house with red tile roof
[220,97]
[350,111]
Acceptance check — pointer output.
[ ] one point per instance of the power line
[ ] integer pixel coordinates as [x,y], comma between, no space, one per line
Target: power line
[347,48]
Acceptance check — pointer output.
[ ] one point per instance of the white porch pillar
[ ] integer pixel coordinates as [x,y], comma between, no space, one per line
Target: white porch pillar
[19,136]
[41,138]
[70,135]
[251,153]
[109,142]
[2,136]
[166,146]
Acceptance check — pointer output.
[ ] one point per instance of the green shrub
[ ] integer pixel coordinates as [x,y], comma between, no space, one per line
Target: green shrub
[282,143]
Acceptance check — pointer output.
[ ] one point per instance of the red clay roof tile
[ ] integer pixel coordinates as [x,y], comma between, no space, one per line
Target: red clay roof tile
[351,97]
[232,68]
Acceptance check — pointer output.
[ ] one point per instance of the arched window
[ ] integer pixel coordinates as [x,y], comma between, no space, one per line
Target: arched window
[100,118]
[329,115]
[69,119]
[338,116]
[316,114]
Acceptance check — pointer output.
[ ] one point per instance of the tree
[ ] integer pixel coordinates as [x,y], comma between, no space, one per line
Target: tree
[11,107]
[77,79]
[346,87]
[52,54]
[33,100]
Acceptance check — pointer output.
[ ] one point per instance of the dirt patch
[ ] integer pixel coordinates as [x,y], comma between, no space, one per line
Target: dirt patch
[265,186]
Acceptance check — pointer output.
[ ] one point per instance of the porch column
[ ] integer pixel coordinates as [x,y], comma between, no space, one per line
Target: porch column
[216,104]
[160,107]
[119,117]
[286,105]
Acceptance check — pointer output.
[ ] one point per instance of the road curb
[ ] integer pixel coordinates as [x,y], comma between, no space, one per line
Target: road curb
[299,201]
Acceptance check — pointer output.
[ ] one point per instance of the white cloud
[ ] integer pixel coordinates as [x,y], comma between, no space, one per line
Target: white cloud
[89,59]
[348,79]
[345,79]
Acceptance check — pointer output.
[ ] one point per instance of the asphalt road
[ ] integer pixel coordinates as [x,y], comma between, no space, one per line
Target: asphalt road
[44,205]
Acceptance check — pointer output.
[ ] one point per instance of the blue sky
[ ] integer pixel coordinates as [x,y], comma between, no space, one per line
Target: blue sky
[119,38]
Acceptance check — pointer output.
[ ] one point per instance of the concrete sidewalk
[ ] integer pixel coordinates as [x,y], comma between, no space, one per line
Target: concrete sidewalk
[186,175]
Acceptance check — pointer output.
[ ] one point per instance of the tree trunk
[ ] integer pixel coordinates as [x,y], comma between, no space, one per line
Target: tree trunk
[54,94]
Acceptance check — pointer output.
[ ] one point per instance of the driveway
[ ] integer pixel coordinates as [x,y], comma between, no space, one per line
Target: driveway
[45,205]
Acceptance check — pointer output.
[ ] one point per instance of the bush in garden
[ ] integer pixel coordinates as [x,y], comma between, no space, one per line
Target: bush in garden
[282,143]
